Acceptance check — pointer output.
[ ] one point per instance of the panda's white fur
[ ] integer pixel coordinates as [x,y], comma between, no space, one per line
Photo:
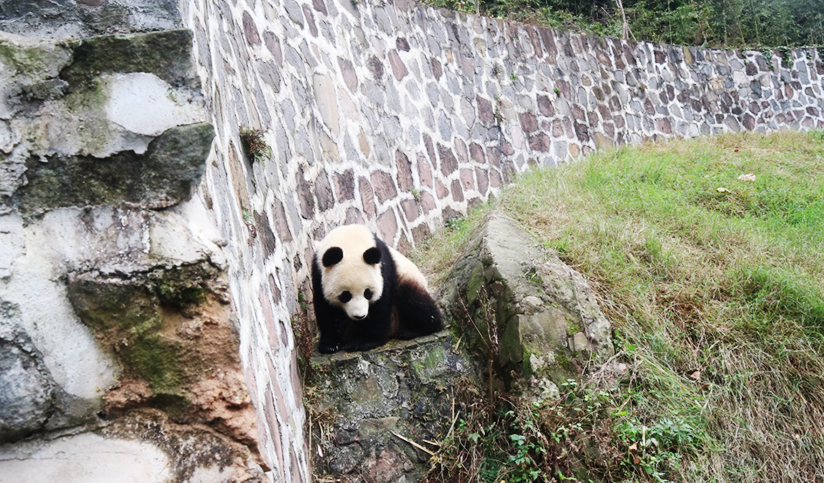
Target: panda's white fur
[350,274]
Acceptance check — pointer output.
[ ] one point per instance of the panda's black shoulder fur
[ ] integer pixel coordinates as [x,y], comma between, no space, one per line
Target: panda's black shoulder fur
[416,311]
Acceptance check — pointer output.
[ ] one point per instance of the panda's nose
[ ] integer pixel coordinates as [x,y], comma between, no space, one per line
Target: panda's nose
[359,317]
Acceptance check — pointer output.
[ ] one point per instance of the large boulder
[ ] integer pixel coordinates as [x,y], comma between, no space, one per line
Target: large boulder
[519,305]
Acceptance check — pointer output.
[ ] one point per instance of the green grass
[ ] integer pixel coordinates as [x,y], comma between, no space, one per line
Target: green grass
[715,288]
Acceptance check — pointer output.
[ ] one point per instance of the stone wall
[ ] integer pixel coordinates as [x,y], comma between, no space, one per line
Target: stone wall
[118,349]
[403,116]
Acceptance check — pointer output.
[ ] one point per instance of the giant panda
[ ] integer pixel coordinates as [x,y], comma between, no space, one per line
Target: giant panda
[366,292]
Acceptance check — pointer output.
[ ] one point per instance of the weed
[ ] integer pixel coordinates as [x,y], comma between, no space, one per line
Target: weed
[254,146]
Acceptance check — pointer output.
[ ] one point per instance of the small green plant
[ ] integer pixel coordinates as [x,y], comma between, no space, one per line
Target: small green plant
[786,56]
[416,194]
[254,146]
[768,56]
[513,76]
[557,91]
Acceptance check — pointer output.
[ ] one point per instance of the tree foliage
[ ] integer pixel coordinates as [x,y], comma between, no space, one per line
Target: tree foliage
[712,23]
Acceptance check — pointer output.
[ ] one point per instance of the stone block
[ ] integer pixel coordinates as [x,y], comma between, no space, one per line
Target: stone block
[375,399]
[545,318]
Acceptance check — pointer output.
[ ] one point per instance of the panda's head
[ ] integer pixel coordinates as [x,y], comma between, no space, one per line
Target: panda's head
[350,265]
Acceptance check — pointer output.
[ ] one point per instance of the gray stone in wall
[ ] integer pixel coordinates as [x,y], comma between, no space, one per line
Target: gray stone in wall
[26,388]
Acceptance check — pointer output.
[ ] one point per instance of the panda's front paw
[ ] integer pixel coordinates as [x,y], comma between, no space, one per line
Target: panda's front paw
[328,346]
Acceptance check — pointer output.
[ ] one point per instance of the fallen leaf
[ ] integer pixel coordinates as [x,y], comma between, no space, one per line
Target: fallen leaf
[636,459]
[747,177]
[696,376]
[633,447]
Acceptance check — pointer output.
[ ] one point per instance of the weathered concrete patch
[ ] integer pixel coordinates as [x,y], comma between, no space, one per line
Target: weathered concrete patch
[359,399]
[84,457]
[539,316]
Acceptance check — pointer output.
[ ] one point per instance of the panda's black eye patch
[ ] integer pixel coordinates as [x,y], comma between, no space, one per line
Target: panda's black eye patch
[372,256]
[345,296]
[367,294]
[332,256]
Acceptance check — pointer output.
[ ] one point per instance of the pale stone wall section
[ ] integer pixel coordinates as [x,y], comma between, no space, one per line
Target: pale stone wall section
[402,117]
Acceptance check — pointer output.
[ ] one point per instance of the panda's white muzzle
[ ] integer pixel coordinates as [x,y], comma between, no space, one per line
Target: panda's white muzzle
[357,308]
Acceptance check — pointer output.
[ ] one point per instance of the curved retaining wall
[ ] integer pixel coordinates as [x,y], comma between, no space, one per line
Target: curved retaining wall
[401,117]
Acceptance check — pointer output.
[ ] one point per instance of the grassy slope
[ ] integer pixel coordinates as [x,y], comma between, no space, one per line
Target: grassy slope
[715,287]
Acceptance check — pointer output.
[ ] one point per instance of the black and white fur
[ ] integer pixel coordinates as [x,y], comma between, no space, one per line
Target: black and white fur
[366,292]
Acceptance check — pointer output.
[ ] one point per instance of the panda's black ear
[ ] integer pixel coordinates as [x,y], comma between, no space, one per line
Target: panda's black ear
[372,256]
[332,256]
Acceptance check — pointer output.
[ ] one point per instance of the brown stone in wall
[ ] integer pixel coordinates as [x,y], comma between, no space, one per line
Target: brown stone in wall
[663,125]
[388,226]
[350,77]
[273,45]
[494,178]
[545,106]
[411,209]
[457,192]
[238,178]
[310,20]
[485,112]
[353,215]
[274,429]
[468,179]
[440,190]
[476,152]
[398,67]
[529,123]
[427,202]
[424,171]
[460,150]
[384,186]
[281,225]
[483,180]
[345,185]
[323,191]
[493,155]
[749,122]
[404,167]
[430,150]
[449,164]
[319,6]
[264,233]
[269,318]
[249,28]
[539,142]
[305,198]
[437,70]
[367,197]
[535,40]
